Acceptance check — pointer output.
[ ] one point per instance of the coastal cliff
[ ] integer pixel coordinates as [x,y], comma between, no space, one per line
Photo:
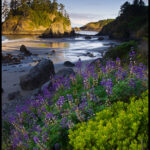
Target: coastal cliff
[96,26]
[35,21]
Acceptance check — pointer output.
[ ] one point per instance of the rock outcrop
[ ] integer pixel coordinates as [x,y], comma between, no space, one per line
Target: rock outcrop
[20,25]
[10,59]
[58,29]
[38,75]
[24,50]
[65,73]
[68,64]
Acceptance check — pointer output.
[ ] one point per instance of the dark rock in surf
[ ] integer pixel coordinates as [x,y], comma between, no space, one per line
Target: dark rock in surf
[24,50]
[88,37]
[69,64]
[100,38]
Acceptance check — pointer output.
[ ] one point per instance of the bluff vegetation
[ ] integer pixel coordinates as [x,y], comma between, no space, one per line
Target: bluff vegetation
[96,26]
[35,17]
[132,22]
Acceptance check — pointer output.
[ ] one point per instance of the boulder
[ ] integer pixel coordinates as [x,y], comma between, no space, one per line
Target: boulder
[13,95]
[100,38]
[68,64]
[65,73]
[89,54]
[10,59]
[96,62]
[88,37]
[53,51]
[24,50]
[38,75]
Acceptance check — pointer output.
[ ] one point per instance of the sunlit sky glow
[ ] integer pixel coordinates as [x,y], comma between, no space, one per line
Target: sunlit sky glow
[82,12]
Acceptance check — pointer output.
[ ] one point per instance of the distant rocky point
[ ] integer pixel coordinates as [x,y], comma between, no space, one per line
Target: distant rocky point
[94,26]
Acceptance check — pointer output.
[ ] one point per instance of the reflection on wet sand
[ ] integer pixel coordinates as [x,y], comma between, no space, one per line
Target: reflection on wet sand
[53,45]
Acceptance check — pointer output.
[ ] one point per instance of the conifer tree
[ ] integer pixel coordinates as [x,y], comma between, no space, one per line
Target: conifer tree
[5,9]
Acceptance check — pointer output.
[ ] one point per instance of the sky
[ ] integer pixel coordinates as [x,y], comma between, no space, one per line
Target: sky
[82,12]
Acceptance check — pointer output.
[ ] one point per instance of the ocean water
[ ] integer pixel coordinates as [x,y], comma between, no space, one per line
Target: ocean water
[70,49]
[87,32]
[13,38]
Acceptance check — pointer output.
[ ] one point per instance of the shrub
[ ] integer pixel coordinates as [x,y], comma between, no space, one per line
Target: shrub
[45,120]
[121,51]
[122,126]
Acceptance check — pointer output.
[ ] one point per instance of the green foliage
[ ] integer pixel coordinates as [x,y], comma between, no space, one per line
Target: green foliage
[121,51]
[38,11]
[96,25]
[77,99]
[131,18]
[122,126]
[40,18]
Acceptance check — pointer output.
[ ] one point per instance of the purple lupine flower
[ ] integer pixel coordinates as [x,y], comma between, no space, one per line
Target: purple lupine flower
[69,97]
[118,61]
[18,109]
[46,92]
[132,82]
[44,137]
[63,122]
[119,74]
[85,75]
[36,139]
[79,66]
[60,101]
[49,115]
[109,87]
[124,74]
[92,94]
[67,84]
[43,109]
[103,82]
[12,119]
[26,137]
[103,69]
[90,112]
[132,55]
[83,105]
[91,70]
[79,63]
[83,97]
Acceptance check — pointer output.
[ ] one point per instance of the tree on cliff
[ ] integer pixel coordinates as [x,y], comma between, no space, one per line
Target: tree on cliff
[5,9]
[13,6]
[61,9]
[141,3]
[136,2]
[54,7]
[124,8]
